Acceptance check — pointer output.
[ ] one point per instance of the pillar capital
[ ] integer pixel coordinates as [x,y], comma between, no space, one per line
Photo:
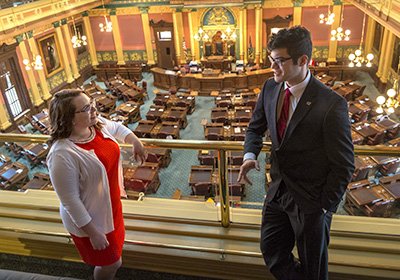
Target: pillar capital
[144,10]
[297,3]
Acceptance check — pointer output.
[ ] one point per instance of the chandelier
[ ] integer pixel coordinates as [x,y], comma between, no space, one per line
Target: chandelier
[36,63]
[393,96]
[107,26]
[339,34]
[357,58]
[77,40]
[329,18]
[201,37]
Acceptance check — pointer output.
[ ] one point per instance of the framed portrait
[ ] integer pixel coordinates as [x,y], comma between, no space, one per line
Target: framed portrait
[79,30]
[50,52]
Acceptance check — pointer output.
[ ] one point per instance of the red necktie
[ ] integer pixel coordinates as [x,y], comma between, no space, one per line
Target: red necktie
[283,118]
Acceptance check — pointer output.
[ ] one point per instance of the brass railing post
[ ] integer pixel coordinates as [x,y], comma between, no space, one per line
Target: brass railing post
[223,186]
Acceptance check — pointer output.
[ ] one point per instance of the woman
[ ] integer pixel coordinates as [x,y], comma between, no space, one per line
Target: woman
[86,172]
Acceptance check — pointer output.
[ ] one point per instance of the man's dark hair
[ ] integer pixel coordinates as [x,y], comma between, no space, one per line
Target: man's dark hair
[296,39]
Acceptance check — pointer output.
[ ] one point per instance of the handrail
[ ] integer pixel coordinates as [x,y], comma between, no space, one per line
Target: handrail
[202,144]
[220,146]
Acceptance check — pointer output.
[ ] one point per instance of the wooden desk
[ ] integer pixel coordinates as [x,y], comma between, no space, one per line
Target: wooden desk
[364,167]
[386,164]
[215,62]
[205,85]
[4,161]
[357,138]
[155,112]
[325,79]
[392,127]
[131,110]
[165,130]
[105,103]
[147,174]
[200,174]
[201,180]
[40,181]
[172,115]
[144,128]
[13,176]
[163,155]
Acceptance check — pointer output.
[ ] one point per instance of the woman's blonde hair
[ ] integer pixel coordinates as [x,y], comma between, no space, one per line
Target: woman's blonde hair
[62,112]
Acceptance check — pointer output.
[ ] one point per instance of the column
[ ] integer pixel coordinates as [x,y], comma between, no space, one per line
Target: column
[117,37]
[144,12]
[369,35]
[70,49]
[258,14]
[388,55]
[297,12]
[178,34]
[89,36]
[63,50]
[337,9]
[382,53]
[4,121]
[36,99]
[192,32]
[244,33]
[42,77]
[242,10]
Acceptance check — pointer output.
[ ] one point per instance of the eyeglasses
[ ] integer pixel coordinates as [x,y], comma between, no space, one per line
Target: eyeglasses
[87,108]
[279,60]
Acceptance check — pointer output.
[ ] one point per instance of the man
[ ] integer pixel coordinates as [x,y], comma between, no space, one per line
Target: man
[312,159]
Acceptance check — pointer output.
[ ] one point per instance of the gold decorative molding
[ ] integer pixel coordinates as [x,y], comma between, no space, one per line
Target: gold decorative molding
[17,20]
[128,11]
[278,4]
[386,13]
[160,9]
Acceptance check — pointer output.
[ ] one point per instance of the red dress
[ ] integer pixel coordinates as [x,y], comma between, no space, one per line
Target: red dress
[108,153]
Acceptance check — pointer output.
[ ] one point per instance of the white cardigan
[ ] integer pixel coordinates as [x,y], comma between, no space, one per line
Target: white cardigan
[80,181]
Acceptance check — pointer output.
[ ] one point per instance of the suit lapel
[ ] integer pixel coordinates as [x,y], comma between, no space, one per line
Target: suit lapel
[302,108]
[273,111]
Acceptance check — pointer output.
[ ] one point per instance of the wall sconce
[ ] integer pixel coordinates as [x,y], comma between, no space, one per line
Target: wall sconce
[77,40]
[107,26]
[201,37]
[329,18]
[36,64]
[356,58]
[393,94]
[339,34]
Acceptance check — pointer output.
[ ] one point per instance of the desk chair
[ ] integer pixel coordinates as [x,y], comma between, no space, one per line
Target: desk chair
[136,185]
[377,139]
[201,188]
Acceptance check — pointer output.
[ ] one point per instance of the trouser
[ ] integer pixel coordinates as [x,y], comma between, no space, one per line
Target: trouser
[283,224]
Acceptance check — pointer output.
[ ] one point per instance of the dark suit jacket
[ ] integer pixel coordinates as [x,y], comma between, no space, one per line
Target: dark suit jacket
[315,159]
